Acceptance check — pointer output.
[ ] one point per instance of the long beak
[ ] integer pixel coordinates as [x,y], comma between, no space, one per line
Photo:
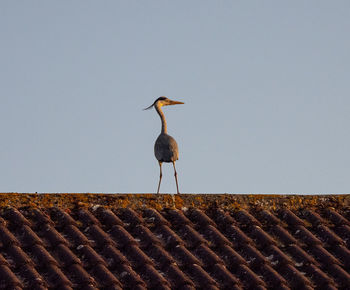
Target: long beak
[148,107]
[171,102]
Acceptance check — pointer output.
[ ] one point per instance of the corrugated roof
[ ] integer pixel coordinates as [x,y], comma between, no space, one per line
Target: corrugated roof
[92,241]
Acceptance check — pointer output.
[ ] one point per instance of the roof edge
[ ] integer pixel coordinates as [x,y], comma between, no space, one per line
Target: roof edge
[180,201]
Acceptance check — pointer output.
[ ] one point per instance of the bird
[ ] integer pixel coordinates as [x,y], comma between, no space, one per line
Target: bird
[165,147]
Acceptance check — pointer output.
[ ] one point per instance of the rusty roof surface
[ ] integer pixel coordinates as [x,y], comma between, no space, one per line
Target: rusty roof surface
[107,241]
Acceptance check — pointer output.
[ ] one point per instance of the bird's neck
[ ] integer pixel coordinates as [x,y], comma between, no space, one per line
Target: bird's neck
[162,118]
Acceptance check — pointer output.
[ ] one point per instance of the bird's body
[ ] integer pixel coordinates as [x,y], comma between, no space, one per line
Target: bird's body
[165,148]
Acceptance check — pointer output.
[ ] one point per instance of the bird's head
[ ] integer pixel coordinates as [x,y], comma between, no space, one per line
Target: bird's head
[163,101]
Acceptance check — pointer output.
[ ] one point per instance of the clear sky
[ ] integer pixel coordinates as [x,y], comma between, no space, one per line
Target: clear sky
[266,86]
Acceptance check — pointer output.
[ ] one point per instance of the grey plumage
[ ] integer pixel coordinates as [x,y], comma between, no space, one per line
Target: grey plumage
[165,147]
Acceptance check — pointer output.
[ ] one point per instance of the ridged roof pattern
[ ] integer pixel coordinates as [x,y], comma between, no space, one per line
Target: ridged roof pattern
[94,245]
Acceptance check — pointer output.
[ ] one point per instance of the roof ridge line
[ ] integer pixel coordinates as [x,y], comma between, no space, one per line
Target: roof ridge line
[180,201]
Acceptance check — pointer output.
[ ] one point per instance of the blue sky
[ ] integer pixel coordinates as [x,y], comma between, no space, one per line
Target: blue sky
[265,84]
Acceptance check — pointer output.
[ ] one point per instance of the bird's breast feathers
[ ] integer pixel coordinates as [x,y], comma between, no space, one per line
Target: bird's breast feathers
[166,149]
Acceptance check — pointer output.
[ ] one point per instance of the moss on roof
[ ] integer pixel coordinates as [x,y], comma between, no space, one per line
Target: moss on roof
[159,201]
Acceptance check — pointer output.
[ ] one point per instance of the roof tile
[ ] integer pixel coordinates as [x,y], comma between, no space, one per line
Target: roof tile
[283,235]
[177,278]
[327,236]
[200,277]
[100,237]
[336,218]
[145,236]
[28,237]
[213,235]
[31,278]
[128,277]
[237,236]
[79,275]
[105,277]
[153,278]
[268,218]
[53,236]
[249,277]
[246,219]
[168,236]
[276,256]
[129,216]
[160,256]
[15,217]
[101,244]
[56,278]
[151,216]
[137,257]
[299,255]
[18,255]
[42,257]
[200,218]
[272,278]
[253,255]
[6,237]
[183,256]
[261,237]
[40,217]
[306,236]
[87,218]
[223,276]
[207,256]
[66,256]
[113,257]
[191,237]
[3,261]
[122,236]
[177,218]
[89,256]
[296,278]
[8,280]
[313,217]
[231,257]
[290,218]
[340,275]
[319,278]
[75,236]
[108,217]
[323,256]
[343,254]
[61,217]
[223,218]
[344,232]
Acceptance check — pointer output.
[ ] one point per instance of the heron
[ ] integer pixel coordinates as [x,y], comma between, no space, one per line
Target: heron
[165,147]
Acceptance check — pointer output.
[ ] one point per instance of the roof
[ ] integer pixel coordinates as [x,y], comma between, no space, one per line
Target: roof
[99,241]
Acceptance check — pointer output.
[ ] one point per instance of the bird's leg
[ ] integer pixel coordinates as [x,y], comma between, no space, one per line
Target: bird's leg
[160,175]
[175,174]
